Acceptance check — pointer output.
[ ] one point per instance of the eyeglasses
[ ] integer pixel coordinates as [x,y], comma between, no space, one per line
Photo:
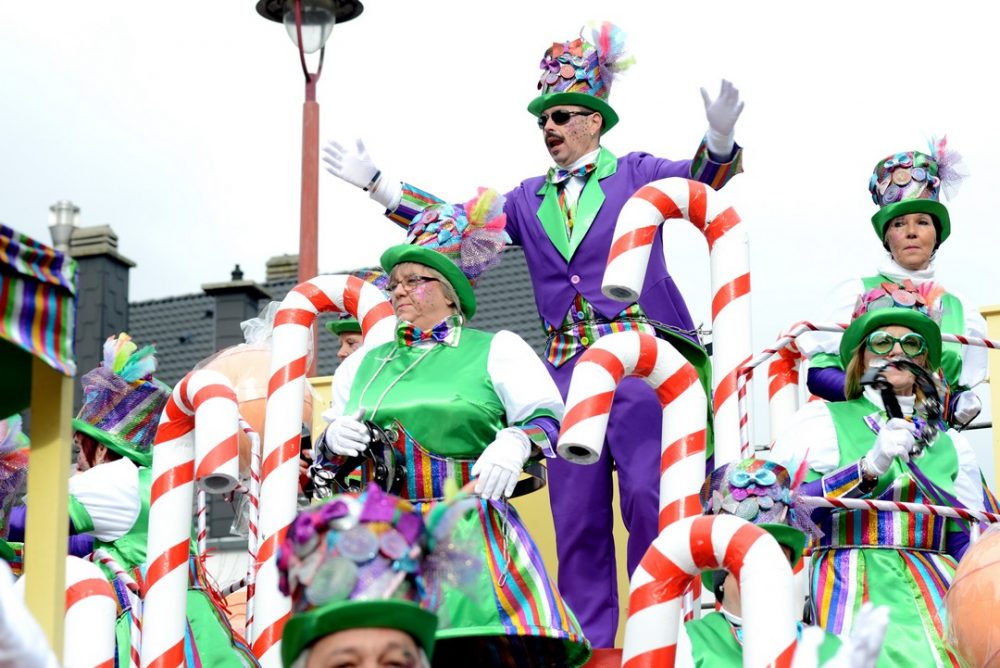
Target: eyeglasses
[561,116]
[882,343]
[409,284]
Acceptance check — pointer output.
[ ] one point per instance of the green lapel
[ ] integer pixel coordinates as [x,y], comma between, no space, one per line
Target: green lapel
[591,200]
[552,220]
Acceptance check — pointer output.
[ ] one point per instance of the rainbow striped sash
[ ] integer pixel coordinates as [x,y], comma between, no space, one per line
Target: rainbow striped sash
[426,473]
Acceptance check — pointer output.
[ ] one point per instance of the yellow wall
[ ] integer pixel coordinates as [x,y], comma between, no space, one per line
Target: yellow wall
[992,315]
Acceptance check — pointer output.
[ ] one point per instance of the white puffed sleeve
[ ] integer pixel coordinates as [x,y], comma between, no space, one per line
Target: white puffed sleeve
[110,495]
[521,382]
[810,436]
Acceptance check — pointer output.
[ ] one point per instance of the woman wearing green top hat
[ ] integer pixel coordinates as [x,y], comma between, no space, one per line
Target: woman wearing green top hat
[855,448]
[464,405]
[911,224]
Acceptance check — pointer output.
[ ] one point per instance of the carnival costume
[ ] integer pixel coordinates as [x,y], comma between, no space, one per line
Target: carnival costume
[121,409]
[763,493]
[446,396]
[902,183]
[904,561]
[565,221]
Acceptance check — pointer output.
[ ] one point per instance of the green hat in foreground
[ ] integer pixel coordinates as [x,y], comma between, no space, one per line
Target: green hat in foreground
[912,182]
[344,326]
[894,304]
[461,241]
[122,401]
[581,72]
[366,561]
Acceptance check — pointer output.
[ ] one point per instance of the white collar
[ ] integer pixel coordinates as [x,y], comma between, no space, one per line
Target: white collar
[905,403]
[889,267]
[583,160]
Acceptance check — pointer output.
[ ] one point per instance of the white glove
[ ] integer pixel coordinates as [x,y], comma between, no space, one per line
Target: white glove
[896,439]
[347,435]
[860,649]
[722,114]
[354,165]
[967,408]
[499,467]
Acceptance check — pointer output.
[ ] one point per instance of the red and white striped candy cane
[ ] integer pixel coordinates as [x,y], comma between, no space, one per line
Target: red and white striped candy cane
[635,231]
[685,408]
[91,610]
[902,507]
[253,537]
[283,416]
[196,441]
[678,555]
[783,387]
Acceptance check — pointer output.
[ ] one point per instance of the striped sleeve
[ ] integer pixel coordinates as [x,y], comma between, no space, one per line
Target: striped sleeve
[412,201]
[712,173]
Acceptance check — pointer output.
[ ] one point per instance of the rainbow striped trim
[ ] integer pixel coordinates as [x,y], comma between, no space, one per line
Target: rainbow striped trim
[843,481]
[38,299]
[427,473]
[413,201]
[527,600]
[712,173]
[583,325]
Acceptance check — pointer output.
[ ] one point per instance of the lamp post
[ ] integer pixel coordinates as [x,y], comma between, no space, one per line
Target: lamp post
[309,24]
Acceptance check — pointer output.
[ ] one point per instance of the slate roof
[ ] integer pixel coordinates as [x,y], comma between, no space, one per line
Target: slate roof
[183,328]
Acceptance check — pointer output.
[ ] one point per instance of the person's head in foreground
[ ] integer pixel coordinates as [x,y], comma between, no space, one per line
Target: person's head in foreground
[363,573]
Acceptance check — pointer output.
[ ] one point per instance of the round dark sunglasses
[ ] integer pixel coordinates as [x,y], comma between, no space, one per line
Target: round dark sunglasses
[882,343]
[561,116]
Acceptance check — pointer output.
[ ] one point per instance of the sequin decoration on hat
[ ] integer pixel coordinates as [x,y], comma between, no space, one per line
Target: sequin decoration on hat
[13,466]
[122,401]
[580,72]
[471,234]
[925,298]
[757,490]
[373,546]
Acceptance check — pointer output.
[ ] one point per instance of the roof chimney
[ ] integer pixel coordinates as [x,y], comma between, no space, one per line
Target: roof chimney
[282,267]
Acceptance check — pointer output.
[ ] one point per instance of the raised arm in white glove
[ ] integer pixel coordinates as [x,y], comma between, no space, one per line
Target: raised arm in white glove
[499,467]
[895,439]
[347,435]
[353,164]
[722,113]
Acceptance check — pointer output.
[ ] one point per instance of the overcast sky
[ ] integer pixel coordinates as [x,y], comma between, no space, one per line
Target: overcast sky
[180,126]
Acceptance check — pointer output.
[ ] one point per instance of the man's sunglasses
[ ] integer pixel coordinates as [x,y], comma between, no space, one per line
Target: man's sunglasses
[882,343]
[561,116]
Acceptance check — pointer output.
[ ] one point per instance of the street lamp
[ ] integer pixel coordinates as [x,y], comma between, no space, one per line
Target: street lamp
[309,24]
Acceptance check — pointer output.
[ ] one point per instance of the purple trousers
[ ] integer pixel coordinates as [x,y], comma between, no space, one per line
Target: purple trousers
[581,497]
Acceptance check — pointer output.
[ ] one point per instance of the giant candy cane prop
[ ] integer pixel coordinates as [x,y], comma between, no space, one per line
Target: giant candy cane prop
[635,231]
[279,472]
[685,410]
[195,441]
[678,555]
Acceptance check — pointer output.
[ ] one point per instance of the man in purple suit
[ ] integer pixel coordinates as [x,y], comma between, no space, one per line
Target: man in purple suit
[564,221]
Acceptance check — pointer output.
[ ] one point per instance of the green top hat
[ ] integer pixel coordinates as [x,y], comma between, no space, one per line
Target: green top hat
[581,72]
[895,304]
[368,560]
[912,182]
[122,401]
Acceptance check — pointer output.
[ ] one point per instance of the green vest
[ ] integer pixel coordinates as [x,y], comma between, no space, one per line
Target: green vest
[855,439]
[714,644]
[443,396]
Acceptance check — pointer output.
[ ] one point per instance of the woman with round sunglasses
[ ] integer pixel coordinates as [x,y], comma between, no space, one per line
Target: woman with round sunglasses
[461,407]
[858,449]
[911,224]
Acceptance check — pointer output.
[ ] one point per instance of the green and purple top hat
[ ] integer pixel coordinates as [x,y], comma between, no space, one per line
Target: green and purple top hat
[581,72]
[370,560]
[890,303]
[763,493]
[122,401]
[459,240]
[912,182]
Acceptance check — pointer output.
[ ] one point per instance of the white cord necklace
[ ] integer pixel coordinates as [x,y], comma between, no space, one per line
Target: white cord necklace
[385,361]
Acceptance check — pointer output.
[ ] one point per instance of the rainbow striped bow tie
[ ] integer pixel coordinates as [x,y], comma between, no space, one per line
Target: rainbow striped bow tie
[557,176]
[408,334]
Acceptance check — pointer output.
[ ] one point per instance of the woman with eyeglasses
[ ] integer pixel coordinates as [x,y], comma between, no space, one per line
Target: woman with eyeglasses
[886,441]
[911,223]
[463,407]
